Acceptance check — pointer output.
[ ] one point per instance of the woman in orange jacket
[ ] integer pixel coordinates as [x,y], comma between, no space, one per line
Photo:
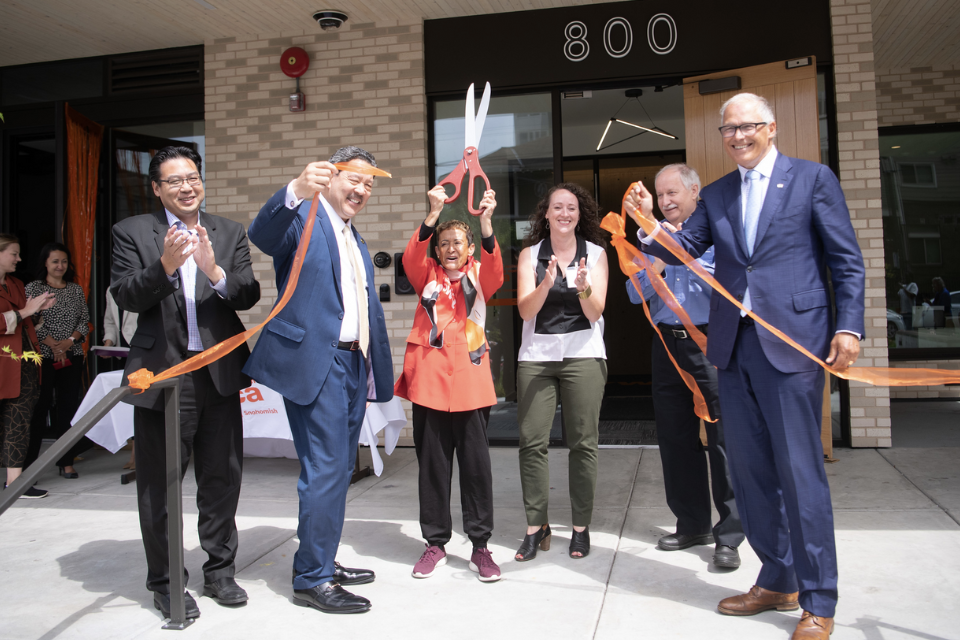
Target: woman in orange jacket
[446,374]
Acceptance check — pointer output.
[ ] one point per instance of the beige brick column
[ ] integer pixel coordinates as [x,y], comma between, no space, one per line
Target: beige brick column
[860,178]
[364,87]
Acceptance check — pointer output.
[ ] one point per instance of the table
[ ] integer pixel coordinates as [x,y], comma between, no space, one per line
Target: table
[266,431]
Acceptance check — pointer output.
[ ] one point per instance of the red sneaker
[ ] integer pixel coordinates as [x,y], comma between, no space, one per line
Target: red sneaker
[482,562]
[432,558]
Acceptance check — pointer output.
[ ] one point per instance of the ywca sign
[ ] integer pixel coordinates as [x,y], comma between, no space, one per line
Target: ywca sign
[618,42]
[618,37]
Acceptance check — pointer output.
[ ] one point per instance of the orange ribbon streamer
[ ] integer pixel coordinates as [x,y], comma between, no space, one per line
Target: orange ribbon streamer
[877,376]
[362,167]
[142,379]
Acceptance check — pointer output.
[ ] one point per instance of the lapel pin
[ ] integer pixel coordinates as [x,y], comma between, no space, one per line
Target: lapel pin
[780,186]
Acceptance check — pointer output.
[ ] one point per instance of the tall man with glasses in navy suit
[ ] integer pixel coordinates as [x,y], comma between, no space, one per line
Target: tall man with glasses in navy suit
[777,225]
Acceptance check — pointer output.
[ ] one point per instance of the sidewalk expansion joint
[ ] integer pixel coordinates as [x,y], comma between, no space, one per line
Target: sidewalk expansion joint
[917,487]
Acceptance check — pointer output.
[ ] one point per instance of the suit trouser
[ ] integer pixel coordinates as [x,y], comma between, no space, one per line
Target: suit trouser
[326,433]
[776,460]
[436,436]
[579,382]
[211,428]
[685,479]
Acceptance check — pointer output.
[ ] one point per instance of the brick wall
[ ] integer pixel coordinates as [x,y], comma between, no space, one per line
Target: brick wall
[364,87]
[860,178]
[922,95]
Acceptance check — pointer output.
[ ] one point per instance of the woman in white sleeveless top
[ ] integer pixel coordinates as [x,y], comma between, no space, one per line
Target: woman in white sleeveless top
[561,290]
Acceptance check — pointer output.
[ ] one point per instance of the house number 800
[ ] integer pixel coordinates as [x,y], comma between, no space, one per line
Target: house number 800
[576,48]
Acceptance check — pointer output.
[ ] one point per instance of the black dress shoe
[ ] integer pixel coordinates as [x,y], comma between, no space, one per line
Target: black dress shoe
[69,475]
[346,575]
[726,557]
[330,597]
[225,591]
[162,603]
[678,541]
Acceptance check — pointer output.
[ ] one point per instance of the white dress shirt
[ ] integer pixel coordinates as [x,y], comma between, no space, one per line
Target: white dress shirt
[188,275]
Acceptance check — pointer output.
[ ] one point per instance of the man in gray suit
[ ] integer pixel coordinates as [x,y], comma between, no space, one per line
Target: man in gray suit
[187,274]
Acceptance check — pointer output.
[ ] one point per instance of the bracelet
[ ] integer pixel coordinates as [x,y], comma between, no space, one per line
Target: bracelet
[583,295]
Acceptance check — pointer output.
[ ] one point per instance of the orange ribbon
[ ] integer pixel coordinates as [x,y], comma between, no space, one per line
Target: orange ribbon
[877,376]
[362,167]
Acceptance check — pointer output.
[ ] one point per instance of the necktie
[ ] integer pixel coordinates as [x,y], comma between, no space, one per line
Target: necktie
[752,212]
[361,294]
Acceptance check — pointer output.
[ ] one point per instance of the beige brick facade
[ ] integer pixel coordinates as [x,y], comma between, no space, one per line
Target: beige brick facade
[364,87]
[857,144]
[921,95]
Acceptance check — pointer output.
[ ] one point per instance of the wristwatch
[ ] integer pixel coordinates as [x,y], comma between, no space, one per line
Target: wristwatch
[583,295]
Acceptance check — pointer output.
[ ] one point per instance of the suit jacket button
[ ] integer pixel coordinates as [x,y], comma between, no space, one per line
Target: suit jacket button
[750,269]
[740,296]
[183,354]
[333,344]
[341,316]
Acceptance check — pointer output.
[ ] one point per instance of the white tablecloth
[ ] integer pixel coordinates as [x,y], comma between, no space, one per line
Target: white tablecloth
[266,431]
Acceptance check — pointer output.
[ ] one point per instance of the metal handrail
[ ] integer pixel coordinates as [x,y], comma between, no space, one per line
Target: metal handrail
[171,388]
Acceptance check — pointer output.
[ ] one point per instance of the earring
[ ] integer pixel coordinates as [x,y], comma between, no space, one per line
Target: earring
[548,224]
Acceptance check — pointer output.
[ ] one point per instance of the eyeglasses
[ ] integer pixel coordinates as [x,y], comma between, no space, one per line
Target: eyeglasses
[747,129]
[177,182]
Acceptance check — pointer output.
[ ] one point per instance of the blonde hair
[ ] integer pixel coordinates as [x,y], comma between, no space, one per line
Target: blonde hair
[7,239]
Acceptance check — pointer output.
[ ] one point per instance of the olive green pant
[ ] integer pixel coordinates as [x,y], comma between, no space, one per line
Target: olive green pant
[580,383]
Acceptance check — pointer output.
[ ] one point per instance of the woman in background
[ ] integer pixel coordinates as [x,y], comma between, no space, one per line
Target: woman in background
[65,325]
[19,380]
[561,291]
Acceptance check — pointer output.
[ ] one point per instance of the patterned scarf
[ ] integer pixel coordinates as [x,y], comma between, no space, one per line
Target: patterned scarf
[440,303]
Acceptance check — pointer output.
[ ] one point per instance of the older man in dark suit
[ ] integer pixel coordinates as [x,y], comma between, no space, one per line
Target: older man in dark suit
[777,225]
[187,274]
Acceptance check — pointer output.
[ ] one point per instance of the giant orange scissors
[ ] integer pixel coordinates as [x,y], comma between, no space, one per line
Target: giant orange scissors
[470,165]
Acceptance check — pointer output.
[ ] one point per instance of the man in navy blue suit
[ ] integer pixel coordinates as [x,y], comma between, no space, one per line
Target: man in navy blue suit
[777,225]
[327,353]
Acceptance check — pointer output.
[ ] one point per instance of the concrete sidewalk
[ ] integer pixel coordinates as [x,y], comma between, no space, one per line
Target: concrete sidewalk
[73,564]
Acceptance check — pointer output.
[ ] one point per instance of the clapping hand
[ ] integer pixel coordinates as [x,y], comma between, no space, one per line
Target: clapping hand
[204,257]
[177,247]
[582,281]
[550,276]
[40,303]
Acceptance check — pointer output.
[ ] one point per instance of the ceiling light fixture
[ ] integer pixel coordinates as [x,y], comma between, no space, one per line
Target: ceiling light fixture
[632,94]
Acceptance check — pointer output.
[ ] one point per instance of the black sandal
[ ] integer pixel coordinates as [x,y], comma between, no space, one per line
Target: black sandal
[580,543]
[539,538]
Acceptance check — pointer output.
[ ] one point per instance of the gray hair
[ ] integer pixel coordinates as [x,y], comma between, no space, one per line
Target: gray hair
[759,102]
[346,154]
[688,175]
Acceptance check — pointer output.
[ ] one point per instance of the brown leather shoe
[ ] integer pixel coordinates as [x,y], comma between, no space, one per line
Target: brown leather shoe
[757,600]
[812,627]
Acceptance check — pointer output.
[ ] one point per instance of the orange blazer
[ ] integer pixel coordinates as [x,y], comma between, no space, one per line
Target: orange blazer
[444,379]
[13,299]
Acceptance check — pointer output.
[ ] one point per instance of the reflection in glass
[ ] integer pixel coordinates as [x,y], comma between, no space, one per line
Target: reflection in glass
[920,178]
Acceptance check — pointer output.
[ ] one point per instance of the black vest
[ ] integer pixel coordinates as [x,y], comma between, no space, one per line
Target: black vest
[561,311]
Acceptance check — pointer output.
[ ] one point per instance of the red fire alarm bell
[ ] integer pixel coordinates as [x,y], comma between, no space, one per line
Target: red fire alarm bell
[294,62]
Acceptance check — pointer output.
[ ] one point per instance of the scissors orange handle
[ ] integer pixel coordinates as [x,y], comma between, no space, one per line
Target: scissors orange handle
[470,165]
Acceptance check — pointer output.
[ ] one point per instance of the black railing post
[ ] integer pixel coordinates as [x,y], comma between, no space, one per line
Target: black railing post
[171,409]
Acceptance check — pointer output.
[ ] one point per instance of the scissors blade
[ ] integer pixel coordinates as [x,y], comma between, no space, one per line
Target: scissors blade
[469,122]
[481,115]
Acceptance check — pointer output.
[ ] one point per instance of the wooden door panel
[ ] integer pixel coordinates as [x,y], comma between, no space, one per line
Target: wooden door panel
[793,95]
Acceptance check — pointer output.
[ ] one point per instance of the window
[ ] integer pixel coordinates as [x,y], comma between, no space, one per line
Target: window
[920,181]
[918,175]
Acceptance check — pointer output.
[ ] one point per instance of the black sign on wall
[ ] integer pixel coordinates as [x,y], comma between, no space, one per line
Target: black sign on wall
[619,41]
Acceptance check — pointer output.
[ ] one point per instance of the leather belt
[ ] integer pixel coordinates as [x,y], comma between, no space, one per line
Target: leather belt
[349,346]
[681,333]
[747,321]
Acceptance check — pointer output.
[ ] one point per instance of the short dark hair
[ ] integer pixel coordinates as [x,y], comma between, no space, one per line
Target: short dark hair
[456,224]
[45,252]
[169,153]
[346,154]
